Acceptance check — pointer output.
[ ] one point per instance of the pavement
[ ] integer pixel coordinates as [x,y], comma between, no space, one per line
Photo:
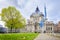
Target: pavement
[44,36]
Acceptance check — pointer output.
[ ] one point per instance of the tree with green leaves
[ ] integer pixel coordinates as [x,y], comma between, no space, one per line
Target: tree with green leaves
[12,18]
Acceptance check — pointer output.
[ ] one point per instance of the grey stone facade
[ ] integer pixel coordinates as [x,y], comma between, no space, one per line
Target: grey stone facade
[34,21]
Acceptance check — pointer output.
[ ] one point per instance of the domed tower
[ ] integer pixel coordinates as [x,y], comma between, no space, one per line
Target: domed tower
[36,18]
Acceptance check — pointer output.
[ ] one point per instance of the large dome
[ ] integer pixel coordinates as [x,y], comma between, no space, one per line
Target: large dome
[37,13]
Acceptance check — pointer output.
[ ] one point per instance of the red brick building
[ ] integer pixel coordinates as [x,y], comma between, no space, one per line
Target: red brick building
[57,27]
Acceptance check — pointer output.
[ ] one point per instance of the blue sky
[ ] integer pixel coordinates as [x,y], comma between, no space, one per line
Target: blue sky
[27,7]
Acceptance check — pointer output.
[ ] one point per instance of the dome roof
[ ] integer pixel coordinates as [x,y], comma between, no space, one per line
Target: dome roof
[37,9]
[37,12]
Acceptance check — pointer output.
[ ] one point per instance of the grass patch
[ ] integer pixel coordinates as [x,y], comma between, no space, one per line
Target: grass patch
[18,36]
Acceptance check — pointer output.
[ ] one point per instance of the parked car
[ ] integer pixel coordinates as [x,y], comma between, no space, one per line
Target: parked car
[3,30]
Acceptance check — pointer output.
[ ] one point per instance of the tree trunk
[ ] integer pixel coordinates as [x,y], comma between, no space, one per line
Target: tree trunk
[11,30]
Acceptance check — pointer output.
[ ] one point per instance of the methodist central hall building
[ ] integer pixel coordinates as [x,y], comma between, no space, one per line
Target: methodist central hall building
[38,23]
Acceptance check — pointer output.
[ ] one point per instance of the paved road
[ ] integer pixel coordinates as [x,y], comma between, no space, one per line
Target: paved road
[46,37]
